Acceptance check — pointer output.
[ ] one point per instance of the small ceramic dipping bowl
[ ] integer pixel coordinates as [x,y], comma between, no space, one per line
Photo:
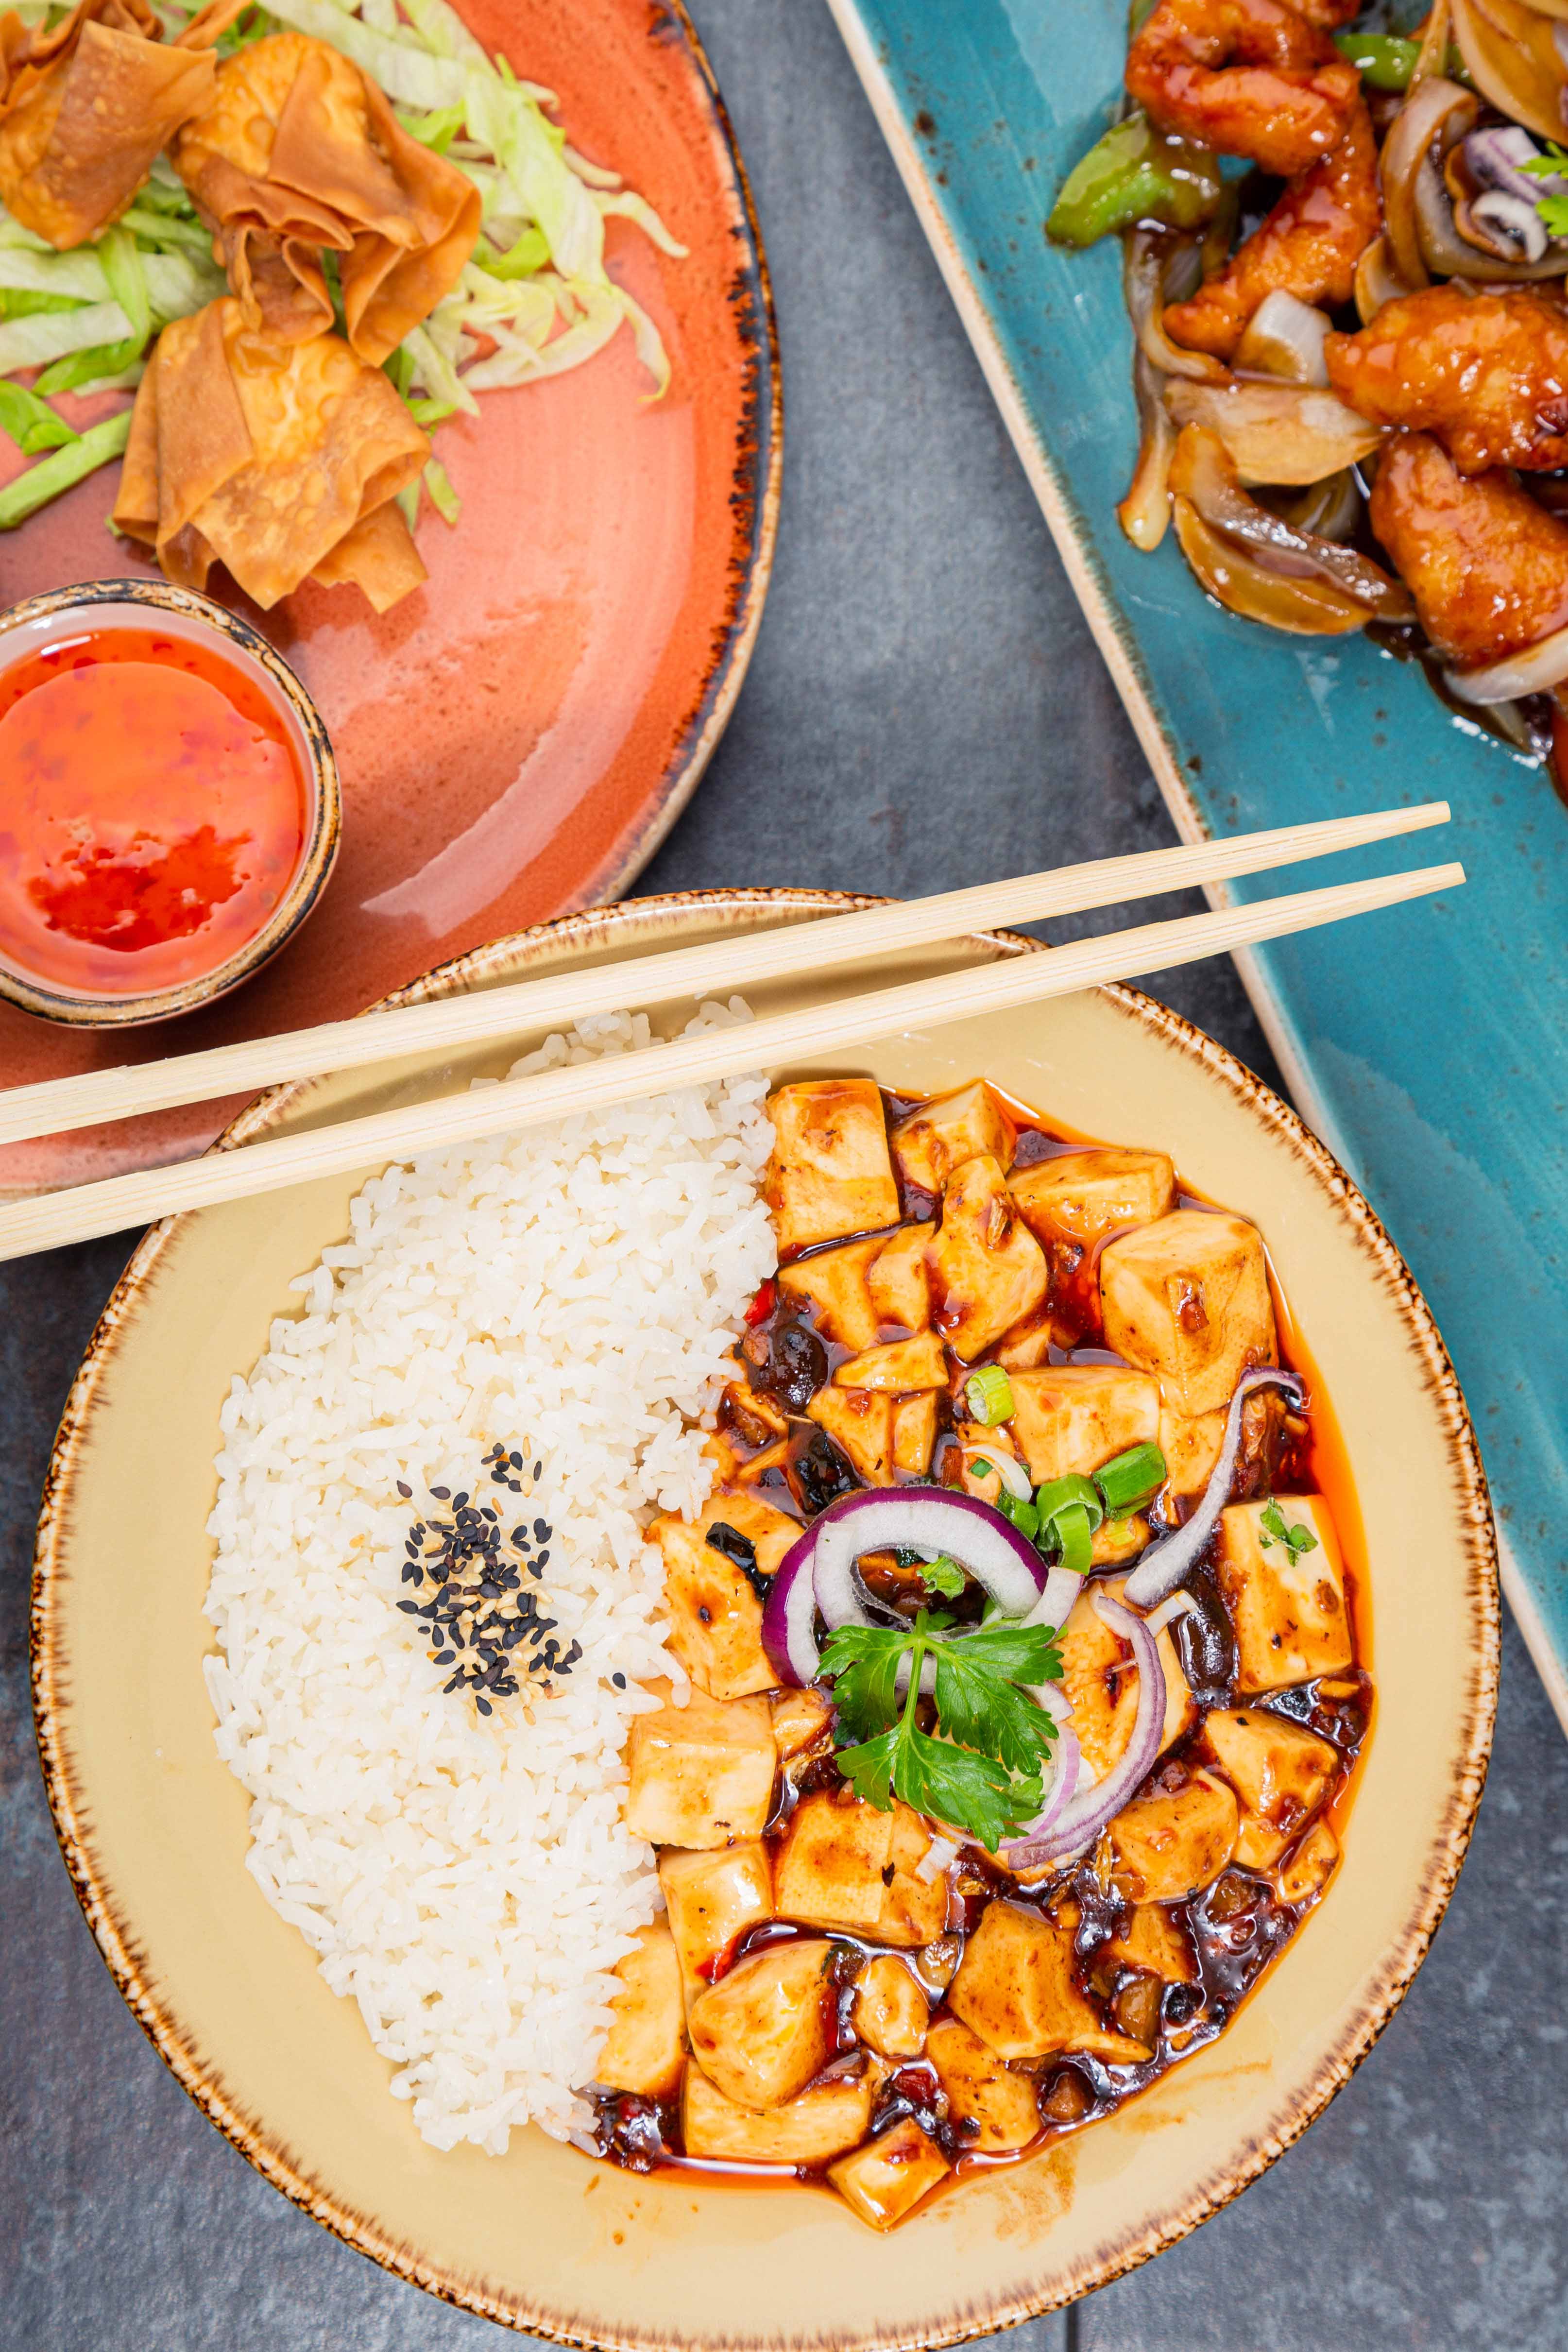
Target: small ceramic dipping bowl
[144,885]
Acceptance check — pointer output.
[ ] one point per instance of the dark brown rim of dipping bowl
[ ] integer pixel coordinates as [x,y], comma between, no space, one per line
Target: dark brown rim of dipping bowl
[131,603]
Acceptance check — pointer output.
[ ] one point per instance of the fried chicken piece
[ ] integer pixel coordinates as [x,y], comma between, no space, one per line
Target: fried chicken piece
[1309,247]
[1245,77]
[1488,373]
[1328,14]
[1487,565]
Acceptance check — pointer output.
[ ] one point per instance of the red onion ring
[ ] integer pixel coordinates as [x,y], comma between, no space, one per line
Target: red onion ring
[1166,1563]
[1064,1786]
[789,1635]
[1061,1590]
[931,1519]
[1082,1817]
[920,1519]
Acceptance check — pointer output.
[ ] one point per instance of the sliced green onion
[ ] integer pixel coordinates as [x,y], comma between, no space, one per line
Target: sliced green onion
[68,465]
[979,1465]
[1071,1493]
[1075,1535]
[1025,1517]
[1131,1478]
[443,497]
[989,1392]
[30,421]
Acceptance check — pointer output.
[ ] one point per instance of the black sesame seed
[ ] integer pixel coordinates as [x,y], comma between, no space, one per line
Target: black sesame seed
[409,1608]
[541,1530]
[619,1681]
[542,1561]
[442,1657]
[406,1492]
[538,1469]
[442,1494]
[484,1707]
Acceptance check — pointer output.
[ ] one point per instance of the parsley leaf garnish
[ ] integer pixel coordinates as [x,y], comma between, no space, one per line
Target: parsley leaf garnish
[1296,1539]
[944,1576]
[1553,209]
[981,1770]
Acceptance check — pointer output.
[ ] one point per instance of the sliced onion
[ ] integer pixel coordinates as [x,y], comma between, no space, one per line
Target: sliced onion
[1258,564]
[1327,509]
[789,1634]
[1144,513]
[1535,671]
[887,1519]
[1285,338]
[1083,1816]
[1284,433]
[1433,106]
[1063,1789]
[935,1859]
[1150,263]
[1057,1596]
[1376,280]
[1174,1605]
[1509,55]
[1166,1563]
[1012,1473]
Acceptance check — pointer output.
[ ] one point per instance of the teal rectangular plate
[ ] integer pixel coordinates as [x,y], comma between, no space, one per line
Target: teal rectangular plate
[1427,1046]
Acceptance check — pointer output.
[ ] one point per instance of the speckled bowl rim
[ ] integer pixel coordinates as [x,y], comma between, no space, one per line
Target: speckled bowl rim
[317,857]
[605,927]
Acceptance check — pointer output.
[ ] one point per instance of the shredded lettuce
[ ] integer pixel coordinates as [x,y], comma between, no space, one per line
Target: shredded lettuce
[63,468]
[53,335]
[31,423]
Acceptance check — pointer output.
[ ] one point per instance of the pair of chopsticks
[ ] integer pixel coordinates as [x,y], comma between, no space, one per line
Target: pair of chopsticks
[719,968]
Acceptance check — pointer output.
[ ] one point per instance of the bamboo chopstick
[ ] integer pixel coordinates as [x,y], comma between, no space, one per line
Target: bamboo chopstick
[125,1092]
[816,1029]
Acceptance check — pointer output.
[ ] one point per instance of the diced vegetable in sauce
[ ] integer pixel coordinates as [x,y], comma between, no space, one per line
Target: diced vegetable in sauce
[966,1306]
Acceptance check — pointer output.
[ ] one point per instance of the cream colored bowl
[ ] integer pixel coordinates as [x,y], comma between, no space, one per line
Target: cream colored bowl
[154,1827]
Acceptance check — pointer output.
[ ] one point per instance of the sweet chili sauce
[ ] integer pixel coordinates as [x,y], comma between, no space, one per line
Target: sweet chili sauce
[152,810]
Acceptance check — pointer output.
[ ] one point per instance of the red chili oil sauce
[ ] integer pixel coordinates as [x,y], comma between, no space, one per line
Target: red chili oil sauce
[152,809]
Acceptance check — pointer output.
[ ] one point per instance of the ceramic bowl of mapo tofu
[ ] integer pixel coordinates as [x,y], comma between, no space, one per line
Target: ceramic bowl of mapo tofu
[1079,1667]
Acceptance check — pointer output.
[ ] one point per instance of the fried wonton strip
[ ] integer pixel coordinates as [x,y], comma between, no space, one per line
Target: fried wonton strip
[379,556]
[298,152]
[84,109]
[266,458]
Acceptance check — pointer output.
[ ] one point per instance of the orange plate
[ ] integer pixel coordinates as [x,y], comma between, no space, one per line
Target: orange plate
[515,738]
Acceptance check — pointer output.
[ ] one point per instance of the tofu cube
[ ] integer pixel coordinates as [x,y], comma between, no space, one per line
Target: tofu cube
[834,1283]
[1166,1846]
[715,1616]
[1191,1449]
[988,1269]
[644,2049]
[830,1173]
[914,1434]
[811,2130]
[1290,1614]
[711,1899]
[986,1446]
[828,1867]
[801,1717]
[769,2025]
[860,1423]
[996,2111]
[891,2011]
[899,1277]
[701,1774]
[843,1864]
[1077,1417]
[1306,1871]
[1015,1989]
[1279,1769]
[887,2179]
[1080,1196]
[900,1368]
[1188,1299]
[930,1142]
[1098,1677]
[1152,1941]
[769,1532]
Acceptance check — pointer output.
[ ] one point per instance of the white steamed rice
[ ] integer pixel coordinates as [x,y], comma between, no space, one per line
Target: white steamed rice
[571,1292]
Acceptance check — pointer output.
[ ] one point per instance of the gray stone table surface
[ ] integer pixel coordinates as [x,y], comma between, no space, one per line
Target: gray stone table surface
[925,709]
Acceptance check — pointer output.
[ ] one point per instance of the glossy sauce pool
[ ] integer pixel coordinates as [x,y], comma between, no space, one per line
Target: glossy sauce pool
[153,811]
